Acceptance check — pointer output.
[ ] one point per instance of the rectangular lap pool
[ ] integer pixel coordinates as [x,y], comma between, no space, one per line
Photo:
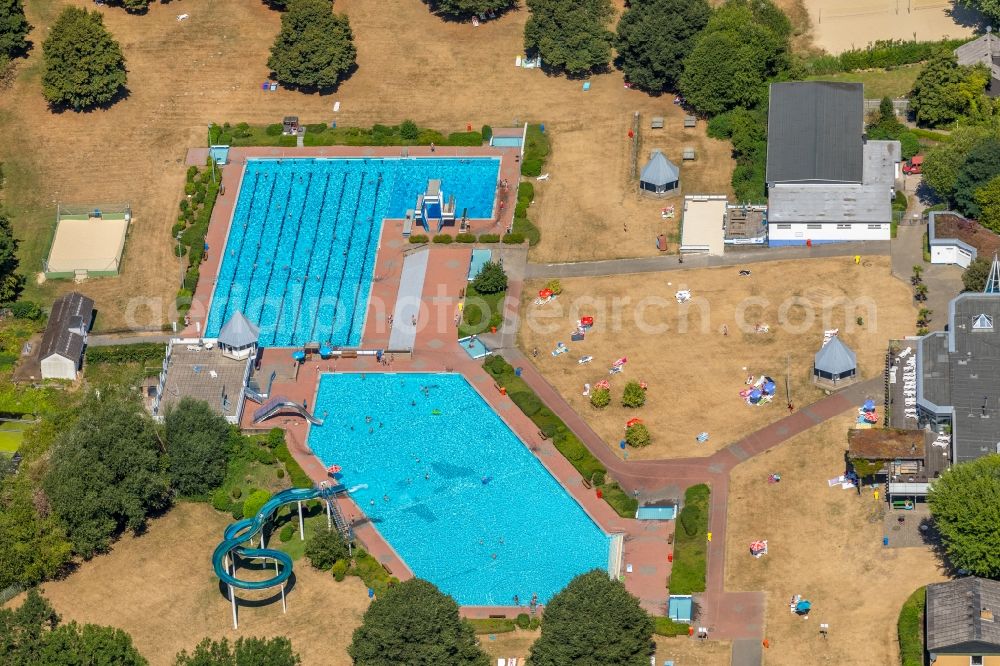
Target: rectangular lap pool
[447,483]
[506,141]
[301,248]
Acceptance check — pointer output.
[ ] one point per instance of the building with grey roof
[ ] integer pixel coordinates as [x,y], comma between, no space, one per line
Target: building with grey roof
[660,176]
[826,183]
[835,363]
[983,51]
[60,354]
[963,621]
[958,377]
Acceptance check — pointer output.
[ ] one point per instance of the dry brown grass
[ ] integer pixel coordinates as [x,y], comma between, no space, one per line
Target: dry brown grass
[821,545]
[183,75]
[695,376]
[161,589]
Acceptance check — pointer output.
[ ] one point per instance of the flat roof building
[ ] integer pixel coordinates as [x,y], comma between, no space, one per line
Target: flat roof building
[703,224]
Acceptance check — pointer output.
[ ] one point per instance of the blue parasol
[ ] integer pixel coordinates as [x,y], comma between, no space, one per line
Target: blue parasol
[755,395]
[869,405]
[803,607]
[769,388]
[299,355]
[325,351]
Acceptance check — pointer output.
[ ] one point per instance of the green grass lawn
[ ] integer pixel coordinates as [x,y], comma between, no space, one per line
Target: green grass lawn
[314,517]
[879,83]
[11,435]
[480,312]
[691,543]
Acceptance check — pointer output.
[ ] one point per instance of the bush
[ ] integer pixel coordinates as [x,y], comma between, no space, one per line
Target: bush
[143,352]
[255,502]
[598,479]
[220,501]
[523,620]
[496,365]
[339,570]
[326,547]
[473,139]
[465,238]
[295,472]
[286,533]
[237,492]
[531,167]
[443,239]
[910,629]
[535,623]
[513,239]
[637,436]
[274,130]
[555,286]
[417,239]
[26,310]
[275,437]
[623,503]
[634,395]
[600,398]
[409,130]
[280,473]
[527,402]
[487,132]
[491,279]
[489,238]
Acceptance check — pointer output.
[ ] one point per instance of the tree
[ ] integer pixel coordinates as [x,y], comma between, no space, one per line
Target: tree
[33,543]
[633,395]
[491,279]
[570,35]
[943,162]
[11,282]
[198,447]
[965,503]
[414,623]
[946,91]
[987,198]
[886,126]
[653,38]
[14,29]
[594,620]
[974,277]
[981,165]
[465,8]
[743,46]
[32,635]
[315,48]
[326,547]
[251,651]
[637,436]
[83,65]
[106,473]
[600,398]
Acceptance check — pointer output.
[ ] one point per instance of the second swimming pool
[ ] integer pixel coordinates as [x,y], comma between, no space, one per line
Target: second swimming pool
[458,495]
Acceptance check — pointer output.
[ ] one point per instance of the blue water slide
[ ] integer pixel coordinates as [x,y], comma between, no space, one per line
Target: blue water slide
[244,530]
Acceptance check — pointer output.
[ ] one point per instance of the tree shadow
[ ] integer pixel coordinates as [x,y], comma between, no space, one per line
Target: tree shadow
[433,6]
[121,95]
[317,90]
[926,195]
[967,17]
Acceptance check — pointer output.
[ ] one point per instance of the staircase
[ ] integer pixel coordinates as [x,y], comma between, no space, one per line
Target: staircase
[338,519]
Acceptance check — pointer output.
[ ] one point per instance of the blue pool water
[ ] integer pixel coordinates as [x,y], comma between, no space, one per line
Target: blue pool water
[441,518]
[301,249]
[474,347]
[479,257]
[506,141]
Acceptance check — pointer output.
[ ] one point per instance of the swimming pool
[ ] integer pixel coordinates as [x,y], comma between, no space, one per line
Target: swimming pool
[301,248]
[479,258]
[506,141]
[429,450]
[473,346]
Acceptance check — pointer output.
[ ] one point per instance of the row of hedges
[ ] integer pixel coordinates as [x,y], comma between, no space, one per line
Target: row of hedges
[513,238]
[201,191]
[144,352]
[882,54]
[522,225]
[691,543]
[406,133]
[910,629]
[298,477]
[536,149]
[568,444]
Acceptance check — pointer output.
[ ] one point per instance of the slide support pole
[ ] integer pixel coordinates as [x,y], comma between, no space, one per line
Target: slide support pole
[232,592]
[302,528]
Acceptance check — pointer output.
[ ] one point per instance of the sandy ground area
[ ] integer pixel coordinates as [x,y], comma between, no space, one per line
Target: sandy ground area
[823,545]
[840,25]
[684,651]
[183,75]
[161,589]
[693,370]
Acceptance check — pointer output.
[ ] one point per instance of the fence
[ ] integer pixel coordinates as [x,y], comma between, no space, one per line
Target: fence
[895,7]
[634,157]
[900,106]
[114,211]
[107,264]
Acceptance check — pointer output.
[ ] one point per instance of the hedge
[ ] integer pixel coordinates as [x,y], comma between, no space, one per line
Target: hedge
[296,474]
[443,239]
[513,239]
[910,629]
[881,54]
[536,149]
[691,543]
[489,238]
[317,134]
[465,238]
[664,626]
[144,352]
[418,238]
[568,444]
[527,229]
[493,625]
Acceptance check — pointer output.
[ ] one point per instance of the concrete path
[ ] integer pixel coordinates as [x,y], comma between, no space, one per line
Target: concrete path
[671,262]
[943,282]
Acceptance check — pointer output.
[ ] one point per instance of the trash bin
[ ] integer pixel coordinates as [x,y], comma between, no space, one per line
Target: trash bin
[517,372]
[885,541]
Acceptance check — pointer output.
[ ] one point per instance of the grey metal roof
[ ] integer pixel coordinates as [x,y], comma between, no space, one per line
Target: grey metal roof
[982,51]
[835,357]
[814,132]
[963,616]
[660,171]
[238,332]
[70,311]
[867,202]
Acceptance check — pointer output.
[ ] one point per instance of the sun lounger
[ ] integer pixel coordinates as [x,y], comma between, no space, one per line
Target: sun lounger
[183,17]
[615,370]
[585,359]
[213,374]
[193,348]
[544,176]
[560,349]
[501,662]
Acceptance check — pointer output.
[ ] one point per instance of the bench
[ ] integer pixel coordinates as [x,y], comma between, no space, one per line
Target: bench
[690,121]
[657,122]
[542,435]
[688,154]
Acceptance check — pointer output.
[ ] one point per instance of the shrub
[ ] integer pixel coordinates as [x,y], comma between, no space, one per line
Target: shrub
[409,130]
[280,473]
[535,623]
[326,547]
[274,130]
[473,139]
[298,477]
[487,132]
[513,239]
[496,365]
[339,570]
[910,629]
[443,239]
[286,533]
[220,501]
[491,279]
[237,492]
[26,310]
[418,238]
[531,167]
[554,286]
[191,173]
[489,238]
[316,128]
[598,479]
[143,352]
[523,620]
[275,437]
[633,396]
[526,228]
[527,402]
[255,502]
[465,238]
[637,436]
[600,398]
